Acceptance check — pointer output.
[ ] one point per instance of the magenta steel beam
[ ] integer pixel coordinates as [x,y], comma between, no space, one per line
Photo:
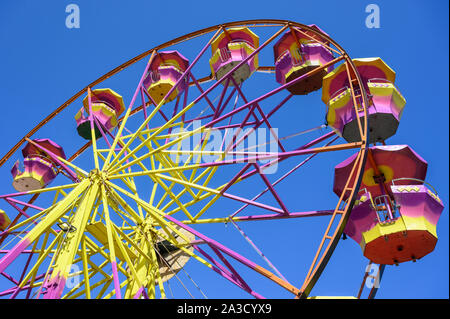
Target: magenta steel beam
[144,293]
[9,278]
[198,118]
[105,131]
[305,146]
[5,233]
[230,267]
[262,115]
[100,127]
[20,211]
[23,203]
[222,108]
[222,95]
[144,107]
[217,267]
[241,63]
[155,104]
[270,113]
[274,91]
[138,88]
[272,190]
[222,271]
[265,119]
[91,121]
[229,122]
[236,256]
[276,108]
[251,110]
[234,179]
[201,92]
[282,177]
[189,68]
[15,293]
[238,87]
[175,110]
[284,155]
[118,293]
[233,126]
[185,97]
[259,123]
[244,122]
[258,250]
[183,76]
[248,201]
[11,290]
[284,216]
[139,293]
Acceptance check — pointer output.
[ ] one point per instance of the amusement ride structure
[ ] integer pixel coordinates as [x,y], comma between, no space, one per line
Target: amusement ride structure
[127,223]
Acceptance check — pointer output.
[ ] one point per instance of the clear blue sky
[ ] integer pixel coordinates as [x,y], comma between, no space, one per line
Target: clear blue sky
[43,63]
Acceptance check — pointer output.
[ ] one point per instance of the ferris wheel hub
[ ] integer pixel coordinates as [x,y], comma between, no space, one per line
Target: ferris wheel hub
[97,176]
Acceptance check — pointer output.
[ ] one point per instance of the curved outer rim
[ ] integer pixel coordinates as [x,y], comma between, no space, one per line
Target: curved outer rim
[325,256]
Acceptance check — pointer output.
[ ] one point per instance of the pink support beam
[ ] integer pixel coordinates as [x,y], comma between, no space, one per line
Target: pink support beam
[258,250]
[102,130]
[272,190]
[11,290]
[230,146]
[274,91]
[189,68]
[21,211]
[306,146]
[265,119]
[24,203]
[15,293]
[240,64]
[231,268]
[175,110]
[155,104]
[9,278]
[283,155]
[144,106]
[222,95]
[218,268]
[202,92]
[222,108]
[283,177]
[248,201]
[233,126]
[238,87]
[235,256]
[234,179]
[230,114]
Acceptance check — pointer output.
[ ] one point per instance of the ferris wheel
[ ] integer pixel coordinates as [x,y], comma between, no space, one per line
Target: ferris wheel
[224,126]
